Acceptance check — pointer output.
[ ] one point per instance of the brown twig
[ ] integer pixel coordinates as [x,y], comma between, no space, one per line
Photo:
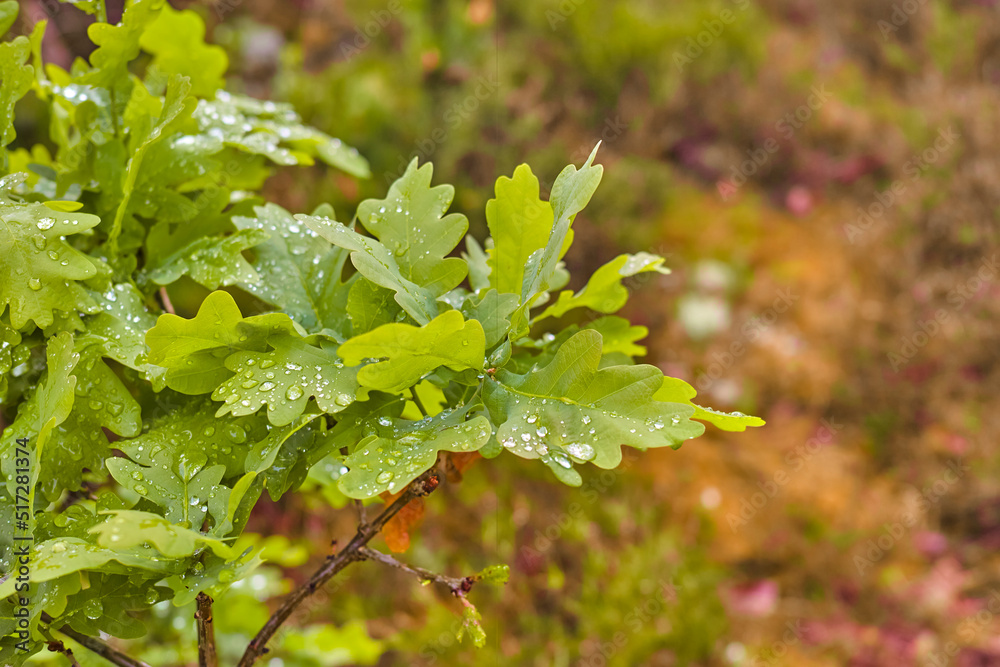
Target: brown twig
[95,645]
[206,632]
[59,647]
[167,305]
[359,505]
[458,586]
[421,486]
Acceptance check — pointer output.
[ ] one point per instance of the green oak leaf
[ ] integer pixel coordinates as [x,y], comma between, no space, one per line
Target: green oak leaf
[194,351]
[376,263]
[620,336]
[180,462]
[299,272]
[40,271]
[274,131]
[520,224]
[369,306]
[122,322]
[58,557]
[118,45]
[492,310]
[9,338]
[79,442]
[411,221]
[15,80]
[679,391]
[285,378]
[401,450]
[570,410]
[215,261]
[146,133]
[177,41]
[408,352]
[571,192]
[214,579]
[8,15]
[604,291]
[105,604]
[125,529]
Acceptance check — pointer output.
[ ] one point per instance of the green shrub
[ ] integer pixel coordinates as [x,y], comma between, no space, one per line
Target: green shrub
[138,441]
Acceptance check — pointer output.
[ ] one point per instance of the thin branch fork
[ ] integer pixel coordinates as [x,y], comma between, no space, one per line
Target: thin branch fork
[207,656]
[59,647]
[112,655]
[421,486]
[458,586]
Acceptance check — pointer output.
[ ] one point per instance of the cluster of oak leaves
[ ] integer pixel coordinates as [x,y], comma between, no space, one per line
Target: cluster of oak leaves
[366,371]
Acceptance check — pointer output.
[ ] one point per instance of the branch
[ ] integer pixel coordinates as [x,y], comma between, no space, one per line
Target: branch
[421,486]
[167,305]
[458,586]
[59,647]
[110,654]
[206,632]
[362,513]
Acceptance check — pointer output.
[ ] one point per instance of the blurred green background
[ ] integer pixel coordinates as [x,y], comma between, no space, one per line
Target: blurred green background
[823,179]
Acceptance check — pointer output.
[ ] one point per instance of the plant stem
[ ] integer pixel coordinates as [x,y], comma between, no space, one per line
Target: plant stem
[206,632]
[167,305]
[418,402]
[59,647]
[110,654]
[458,586]
[421,486]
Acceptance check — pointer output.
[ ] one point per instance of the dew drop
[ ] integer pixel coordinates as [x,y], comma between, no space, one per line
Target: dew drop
[293,393]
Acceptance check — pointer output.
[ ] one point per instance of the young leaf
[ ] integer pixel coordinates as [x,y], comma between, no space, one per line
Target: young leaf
[118,45]
[401,450]
[194,351]
[492,310]
[410,352]
[122,322]
[571,411]
[129,528]
[411,221]
[374,261]
[15,81]
[40,270]
[679,391]
[177,41]
[520,224]
[604,291]
[299,272]
[212,261]
[285,378]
